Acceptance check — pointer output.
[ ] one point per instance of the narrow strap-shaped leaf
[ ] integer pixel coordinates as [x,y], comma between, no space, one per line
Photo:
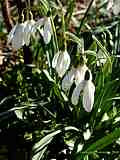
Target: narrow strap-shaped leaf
[48,138]
[101,143]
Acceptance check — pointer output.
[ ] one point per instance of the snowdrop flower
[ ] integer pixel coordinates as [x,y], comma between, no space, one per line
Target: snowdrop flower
[28,32]
[46,30]
[68,80]
[88,89]
[61,62]
[80,73]
[116,7]
[16,36]
[75,74]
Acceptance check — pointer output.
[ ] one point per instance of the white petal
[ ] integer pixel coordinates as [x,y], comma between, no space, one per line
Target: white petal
[48,25]
[55,59]
[88,96]
[76,93]
[116,7]
[28,31]
[47,31]
[11,34]
[46,36]
[68,80]
[80,73]
[18,39]
[63,63]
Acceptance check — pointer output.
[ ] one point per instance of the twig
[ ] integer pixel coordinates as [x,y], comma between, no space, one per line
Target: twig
[6,14]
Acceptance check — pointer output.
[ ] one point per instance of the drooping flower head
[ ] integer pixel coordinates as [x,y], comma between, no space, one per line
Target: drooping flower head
[28,32]
[87,87]
[61,62]
[21,33]
[45,28]
[16,36]
[116,7]
[80,73]
[74,75]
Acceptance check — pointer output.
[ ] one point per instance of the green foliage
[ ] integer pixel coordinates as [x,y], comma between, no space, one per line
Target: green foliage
[37,100]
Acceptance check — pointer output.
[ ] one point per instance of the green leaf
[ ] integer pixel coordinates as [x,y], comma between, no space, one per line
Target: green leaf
[89,52]
[48,75]
[39,155]
[101,143]
[105,141]
[113,98]
[105,52]
[73,38]
[19,114]
[48,138]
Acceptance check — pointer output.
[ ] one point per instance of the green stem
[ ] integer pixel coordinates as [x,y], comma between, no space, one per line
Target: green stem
[55,35]
[63,24]
[85,15]
[29,5]
[63,28]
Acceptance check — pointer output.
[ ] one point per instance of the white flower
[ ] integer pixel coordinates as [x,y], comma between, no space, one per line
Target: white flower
[28,32]
[76,92]
[16,36]
[68,80]
[88,89]
[116,7]
[88,96]
[80,73]
[45,28]
[61,62]
[75,74]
